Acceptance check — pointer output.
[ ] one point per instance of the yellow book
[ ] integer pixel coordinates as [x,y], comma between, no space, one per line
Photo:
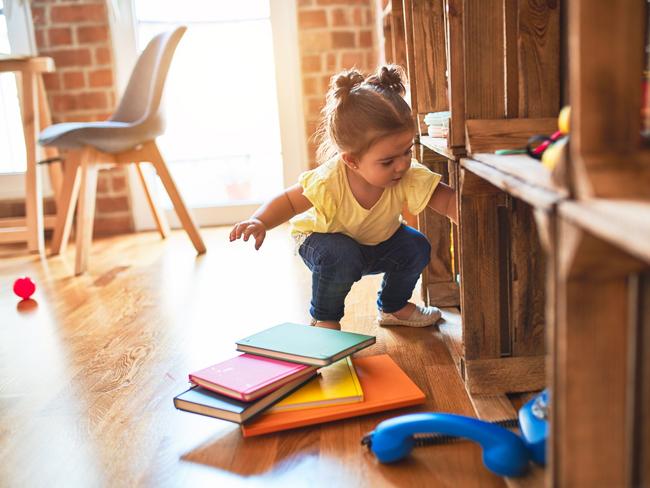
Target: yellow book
[336,384]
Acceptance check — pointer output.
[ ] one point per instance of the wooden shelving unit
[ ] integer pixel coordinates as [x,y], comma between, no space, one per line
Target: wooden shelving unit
[555,280]
[501,60]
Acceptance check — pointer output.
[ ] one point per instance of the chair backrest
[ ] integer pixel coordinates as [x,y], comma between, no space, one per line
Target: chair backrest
[141,99]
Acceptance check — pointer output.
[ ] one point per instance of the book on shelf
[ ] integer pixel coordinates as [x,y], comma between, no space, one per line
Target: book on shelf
[304,344]
[385,387]
[205,402]
[247,377]
[335,384]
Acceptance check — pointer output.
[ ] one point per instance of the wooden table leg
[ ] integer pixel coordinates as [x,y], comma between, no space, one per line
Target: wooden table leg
[33,187]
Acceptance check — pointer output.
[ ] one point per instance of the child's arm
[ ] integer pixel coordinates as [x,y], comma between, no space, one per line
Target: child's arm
[273,213]
[443,201]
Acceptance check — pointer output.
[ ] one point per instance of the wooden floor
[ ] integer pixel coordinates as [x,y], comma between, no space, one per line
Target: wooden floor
[88,371]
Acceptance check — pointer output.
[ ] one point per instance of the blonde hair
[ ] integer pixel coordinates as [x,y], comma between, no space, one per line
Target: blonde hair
[361,110]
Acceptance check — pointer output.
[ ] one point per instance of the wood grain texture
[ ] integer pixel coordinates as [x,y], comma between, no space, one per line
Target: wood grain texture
[538,63]
[526,169]
[591,349]
[90,367]
[454,38]
[445,294]
[480,267]
[639,426]
[522,189]
[440,146]
[387,26]
[624,223]
[508,374]
[604,68]
[493,407]
[411,68]
[527,283]
[484,59]
[510,32]
[427,20]
[488,135]
[397,33]
[438,277]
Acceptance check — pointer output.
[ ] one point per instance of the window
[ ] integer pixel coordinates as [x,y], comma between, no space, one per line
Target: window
[12,144]
[228,143]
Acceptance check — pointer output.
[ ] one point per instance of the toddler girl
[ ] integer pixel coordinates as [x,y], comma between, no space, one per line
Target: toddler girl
[346,214]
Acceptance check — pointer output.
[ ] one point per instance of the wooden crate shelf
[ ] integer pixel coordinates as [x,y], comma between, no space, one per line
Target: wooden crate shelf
[440,146]
[623,223]
[521,176]
[512,86]
[555,281]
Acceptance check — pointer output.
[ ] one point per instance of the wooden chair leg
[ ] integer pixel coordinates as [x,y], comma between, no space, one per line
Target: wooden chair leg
[157,212]
[55,172]
[66,202]
[179,205]
[45,120]
[85,213]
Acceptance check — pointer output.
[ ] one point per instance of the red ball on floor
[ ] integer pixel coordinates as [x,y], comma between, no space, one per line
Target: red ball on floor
[24,287]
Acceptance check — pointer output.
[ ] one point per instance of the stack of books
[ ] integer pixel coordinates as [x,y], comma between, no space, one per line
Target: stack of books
[293,375]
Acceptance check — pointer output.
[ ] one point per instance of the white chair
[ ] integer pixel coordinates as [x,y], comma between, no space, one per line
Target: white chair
[127,137]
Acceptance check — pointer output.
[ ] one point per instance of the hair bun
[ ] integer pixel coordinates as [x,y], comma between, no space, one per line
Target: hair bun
[343,83]
[389,77]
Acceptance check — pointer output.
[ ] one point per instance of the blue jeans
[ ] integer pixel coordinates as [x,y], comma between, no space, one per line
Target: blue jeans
[337,261]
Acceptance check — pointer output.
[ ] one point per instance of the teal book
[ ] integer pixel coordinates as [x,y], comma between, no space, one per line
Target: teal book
[304,344]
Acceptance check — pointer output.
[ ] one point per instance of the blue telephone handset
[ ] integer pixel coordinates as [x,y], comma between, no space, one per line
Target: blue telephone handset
[504,452]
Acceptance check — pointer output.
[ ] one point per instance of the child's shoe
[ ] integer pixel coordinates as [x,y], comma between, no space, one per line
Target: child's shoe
[420,317]
[325,324]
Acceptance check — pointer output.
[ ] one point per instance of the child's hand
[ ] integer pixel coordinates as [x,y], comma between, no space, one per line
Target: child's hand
[251,227]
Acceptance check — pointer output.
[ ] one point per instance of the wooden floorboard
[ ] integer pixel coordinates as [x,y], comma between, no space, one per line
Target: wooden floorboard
[89,369]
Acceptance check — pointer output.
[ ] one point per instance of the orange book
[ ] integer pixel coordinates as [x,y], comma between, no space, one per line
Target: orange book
[385,387]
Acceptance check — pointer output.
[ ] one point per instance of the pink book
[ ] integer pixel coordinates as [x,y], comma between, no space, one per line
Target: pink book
[248,377]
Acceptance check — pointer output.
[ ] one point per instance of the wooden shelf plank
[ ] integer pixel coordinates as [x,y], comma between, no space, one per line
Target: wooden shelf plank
[439,146]
[488,135]
[508,374]
[518,176]
[624,223]
[523,167]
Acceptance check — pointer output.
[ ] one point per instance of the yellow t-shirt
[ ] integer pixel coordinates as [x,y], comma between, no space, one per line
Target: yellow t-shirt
[336,210]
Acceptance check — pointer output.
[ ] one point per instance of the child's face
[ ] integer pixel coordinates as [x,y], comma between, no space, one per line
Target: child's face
[386,162]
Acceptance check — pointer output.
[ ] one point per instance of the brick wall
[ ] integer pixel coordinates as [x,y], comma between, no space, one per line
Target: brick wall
[76,34]
[333,35]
